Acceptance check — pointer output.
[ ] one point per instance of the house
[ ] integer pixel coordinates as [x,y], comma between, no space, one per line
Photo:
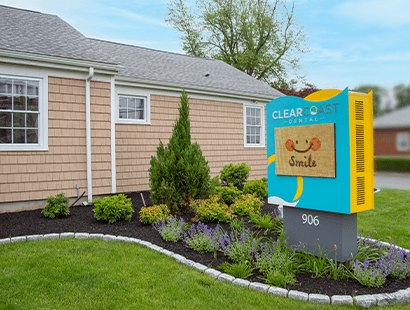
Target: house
[392,133]
[76,111]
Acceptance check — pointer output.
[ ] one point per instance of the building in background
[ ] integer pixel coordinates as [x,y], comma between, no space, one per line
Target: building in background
[392,133]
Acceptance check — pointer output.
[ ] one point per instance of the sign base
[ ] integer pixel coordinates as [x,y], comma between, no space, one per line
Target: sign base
[324,229]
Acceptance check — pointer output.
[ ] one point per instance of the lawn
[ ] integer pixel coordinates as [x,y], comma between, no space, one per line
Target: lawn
[93,274]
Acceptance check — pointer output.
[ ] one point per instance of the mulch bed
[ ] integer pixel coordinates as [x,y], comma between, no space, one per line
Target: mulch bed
[81,219]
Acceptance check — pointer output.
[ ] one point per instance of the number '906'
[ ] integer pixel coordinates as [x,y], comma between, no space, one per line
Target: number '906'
[310,219]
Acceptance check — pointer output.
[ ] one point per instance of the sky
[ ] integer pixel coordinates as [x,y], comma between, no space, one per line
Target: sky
[351,42]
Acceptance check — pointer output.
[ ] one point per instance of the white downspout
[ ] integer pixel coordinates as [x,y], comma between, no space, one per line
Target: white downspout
[88,132]
[113,117]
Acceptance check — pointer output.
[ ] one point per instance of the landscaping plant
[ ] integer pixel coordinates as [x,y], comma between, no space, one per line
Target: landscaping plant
[113,208]
[235,174]
[170,230]
[228,193]
[180,172]
[240,270]
[211,210]
[202,239]
[149,215]
[56,206]
[258,188]
[246,205]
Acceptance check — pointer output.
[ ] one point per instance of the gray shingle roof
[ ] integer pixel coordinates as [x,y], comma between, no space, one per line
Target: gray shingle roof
[159,66]
[45,34]
[397,119]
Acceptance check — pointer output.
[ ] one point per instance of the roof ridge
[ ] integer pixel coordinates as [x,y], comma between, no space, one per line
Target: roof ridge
[27,10]
[151,49]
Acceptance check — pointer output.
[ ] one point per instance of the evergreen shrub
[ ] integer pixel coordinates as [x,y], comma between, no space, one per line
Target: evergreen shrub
[113,208]
[235,174]
[56,206]
[228,193]
[259,188]
[179,172]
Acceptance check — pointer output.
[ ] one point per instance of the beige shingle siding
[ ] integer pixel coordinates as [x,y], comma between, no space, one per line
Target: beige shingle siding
[36,175]
[217,126]
[101,137]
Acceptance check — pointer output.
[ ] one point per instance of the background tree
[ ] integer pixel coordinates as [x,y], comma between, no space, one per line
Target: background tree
[301,93]
[402,95]
[180,172]
[255,36]
[377,94]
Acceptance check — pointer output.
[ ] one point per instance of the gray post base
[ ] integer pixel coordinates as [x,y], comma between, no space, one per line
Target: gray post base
[330,228]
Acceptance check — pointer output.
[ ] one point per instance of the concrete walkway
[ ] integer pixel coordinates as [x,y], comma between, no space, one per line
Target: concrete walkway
[392,180]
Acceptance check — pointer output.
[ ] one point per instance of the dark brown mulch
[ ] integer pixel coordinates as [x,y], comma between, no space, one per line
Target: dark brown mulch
[81,219]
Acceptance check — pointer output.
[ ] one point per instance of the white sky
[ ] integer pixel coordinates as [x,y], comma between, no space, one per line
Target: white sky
[352,42]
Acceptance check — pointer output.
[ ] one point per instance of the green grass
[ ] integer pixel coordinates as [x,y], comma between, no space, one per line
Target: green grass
[390,217]
[93,274]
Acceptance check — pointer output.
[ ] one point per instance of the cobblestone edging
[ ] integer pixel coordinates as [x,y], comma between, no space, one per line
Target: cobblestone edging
[400,297]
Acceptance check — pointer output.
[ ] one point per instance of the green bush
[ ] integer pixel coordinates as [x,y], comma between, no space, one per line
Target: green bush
[211,210]
[397,164]
[149,215]
[235,174]
[56,206]
[257,187]
[113,208]
[246,205]
[228,193]
[180,172]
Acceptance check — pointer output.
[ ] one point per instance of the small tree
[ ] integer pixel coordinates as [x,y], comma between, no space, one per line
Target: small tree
[180,172]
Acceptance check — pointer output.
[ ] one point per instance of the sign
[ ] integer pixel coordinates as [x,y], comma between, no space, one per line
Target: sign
[320,167]
[306,150]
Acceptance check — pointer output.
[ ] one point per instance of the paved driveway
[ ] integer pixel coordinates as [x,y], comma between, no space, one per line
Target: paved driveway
[392,180]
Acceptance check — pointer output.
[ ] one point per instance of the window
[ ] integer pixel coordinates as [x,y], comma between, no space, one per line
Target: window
[403,141]
[20,117]
[254,125]
[132,109]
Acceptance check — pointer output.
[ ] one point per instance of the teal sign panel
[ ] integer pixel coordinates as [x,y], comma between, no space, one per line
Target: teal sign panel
[330,194]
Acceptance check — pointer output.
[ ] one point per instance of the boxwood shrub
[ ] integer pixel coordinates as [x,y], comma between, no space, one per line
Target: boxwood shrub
[113,208]
[392,163]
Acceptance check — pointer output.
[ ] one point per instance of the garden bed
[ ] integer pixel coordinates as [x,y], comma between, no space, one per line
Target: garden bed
[81,219]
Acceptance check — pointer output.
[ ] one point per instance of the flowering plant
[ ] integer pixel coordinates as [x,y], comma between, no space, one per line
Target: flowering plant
[170,230]
[203,239]
[149,215]
[211,209]
[247,204]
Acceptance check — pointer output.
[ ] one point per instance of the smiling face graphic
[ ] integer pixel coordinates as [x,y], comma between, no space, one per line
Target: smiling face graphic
[303,146]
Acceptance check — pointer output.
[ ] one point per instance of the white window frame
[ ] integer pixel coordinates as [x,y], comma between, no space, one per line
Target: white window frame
[402,136]
[261,106]
[42,144]
[145,121]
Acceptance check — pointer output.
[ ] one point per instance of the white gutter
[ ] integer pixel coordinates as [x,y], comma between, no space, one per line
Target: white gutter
[88,132]
[113,117]
[108,68]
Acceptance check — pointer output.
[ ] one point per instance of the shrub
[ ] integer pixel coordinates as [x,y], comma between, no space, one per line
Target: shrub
[246,205]
[257,187]
[56,206]
[228,193]
[149,215]
[212,209]
[180,172]
[113,208]
[235,174]
[171,230]
[238,246]
[392,163]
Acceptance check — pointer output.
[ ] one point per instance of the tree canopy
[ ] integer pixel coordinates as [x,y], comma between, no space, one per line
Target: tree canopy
[403,95]
[259,37]
[377,94]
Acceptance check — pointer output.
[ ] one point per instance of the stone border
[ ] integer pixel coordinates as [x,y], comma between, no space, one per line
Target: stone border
[400,297]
